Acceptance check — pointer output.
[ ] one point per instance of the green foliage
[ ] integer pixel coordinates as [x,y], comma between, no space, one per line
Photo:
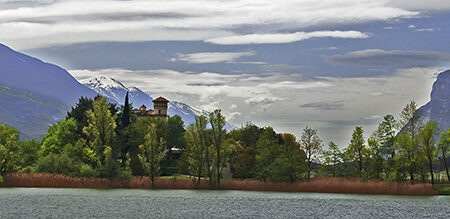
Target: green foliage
[78,113]
[58,136]
[279,161]
[136,136]
[9,149]
[58,164]
[312,145]
[100,129]
[198,158]
[175,133]
[217,122]
[151,153]
[244,164]
[428,146]
[29,152]
[87,171]
[444,148]
[356,149]
[126,113]
[333,159]
[374,159]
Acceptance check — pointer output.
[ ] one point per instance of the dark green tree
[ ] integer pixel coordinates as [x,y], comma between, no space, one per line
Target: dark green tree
[244,164]
[175,134]
[78,113]
[356,148]
[332,158]
[126,113]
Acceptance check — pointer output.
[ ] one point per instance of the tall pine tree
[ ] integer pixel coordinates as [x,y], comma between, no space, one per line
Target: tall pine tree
[126,113]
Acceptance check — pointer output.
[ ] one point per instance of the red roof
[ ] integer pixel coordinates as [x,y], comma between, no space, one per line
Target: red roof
[160,99]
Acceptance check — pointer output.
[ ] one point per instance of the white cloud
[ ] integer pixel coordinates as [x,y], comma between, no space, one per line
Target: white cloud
[206,88]
[425,30]
[284,38]
[211,57]
[411,26]
[275,99]
[418,5]
[378,57]
[31,25]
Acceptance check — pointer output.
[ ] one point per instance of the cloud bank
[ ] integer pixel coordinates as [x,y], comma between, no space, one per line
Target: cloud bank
[211,57]
[31,24]
[393,58]
[285,38]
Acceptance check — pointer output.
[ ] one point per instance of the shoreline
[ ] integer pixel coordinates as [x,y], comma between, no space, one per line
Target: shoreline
[320,185]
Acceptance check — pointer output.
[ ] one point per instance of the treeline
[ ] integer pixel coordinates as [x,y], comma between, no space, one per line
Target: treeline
[99,139]
[400,150]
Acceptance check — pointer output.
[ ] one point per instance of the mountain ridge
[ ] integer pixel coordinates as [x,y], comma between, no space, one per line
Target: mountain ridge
[114,89]
[25,72]
[438,108]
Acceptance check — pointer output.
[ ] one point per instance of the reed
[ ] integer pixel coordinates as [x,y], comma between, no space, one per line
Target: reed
[320,185]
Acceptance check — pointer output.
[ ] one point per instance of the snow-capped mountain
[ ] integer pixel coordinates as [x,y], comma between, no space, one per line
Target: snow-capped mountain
[115,91]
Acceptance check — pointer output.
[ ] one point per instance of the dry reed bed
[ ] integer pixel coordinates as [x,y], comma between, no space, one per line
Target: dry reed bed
[321,185]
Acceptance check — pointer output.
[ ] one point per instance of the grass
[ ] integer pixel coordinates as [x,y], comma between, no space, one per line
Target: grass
[443,190]
[320,185]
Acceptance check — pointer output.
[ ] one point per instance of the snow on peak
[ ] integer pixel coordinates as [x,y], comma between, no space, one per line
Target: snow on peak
[103,82]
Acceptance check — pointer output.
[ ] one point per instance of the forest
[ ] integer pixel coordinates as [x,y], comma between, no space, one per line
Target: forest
[100,140]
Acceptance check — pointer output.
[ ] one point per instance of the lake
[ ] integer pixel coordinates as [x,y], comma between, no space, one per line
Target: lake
[132,203]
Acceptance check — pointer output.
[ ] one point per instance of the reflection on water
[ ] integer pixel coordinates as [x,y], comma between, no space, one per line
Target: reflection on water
[131,203]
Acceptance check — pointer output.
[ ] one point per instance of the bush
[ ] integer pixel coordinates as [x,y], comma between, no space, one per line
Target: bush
[58,164]
[88,172]
[125,175]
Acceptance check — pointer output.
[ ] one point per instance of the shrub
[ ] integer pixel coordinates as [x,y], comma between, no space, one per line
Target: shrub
[88,172]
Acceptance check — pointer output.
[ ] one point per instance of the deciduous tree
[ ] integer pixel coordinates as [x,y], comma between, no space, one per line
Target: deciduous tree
[151,153]
[444,148]
[312,145]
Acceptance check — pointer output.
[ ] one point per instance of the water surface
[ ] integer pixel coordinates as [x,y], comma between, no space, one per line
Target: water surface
[132,203]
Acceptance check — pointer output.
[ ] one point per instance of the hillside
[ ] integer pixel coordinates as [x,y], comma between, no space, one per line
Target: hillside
[30,112]
[438,109]
[25,72]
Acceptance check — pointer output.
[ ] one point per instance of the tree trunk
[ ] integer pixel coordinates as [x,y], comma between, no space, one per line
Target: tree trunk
[308,170]
[218,165]
[431,170]
[423,175]
[446,166]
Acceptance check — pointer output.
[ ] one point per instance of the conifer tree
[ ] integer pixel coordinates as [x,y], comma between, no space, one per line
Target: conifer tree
[126,113]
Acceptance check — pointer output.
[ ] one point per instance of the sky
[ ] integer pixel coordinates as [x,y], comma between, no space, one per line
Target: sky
[330,64]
